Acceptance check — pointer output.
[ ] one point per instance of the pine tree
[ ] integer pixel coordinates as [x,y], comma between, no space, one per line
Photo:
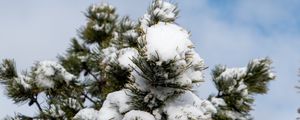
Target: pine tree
[81,77]
[118,69]
[163,69]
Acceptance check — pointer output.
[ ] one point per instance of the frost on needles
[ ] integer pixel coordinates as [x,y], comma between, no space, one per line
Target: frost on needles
[118,69]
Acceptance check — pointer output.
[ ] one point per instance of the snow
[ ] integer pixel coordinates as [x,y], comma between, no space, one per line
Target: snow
[127,22]
[72,103]
[271,75]
[230,73]
[129,36]
[189,106]
[144,21]
[23,80]
[101,6]
[218,102]
[109,54]
[165,10]
[162,93]
[122,56]
[106,27]
[45,72]
[267,65]
[125,55]
[140,82]
[138,115]
[97,27]
[103,12]
[235,115]
[167,40]
[56,111]
[184,107]
[87,114]
[235,77]
[194,75]
[184,113]
[116,104]
[130,33]
[106,15]
[242,88]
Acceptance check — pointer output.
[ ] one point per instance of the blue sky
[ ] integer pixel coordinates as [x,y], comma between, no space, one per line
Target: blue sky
[229,32]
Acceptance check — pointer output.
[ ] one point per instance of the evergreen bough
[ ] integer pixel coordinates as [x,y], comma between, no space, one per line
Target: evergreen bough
[111,72]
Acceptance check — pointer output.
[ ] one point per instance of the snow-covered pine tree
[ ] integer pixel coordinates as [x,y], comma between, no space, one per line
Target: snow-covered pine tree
[48,80]
[237,87]
[164,68]
[121,70]
[82,77]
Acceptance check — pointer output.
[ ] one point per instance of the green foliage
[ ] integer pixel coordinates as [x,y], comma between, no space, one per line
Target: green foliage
[160,73]
[127,33]
[228,91]
[15,88]
[94,79]
[8,69]
[138,100]
[256,77]
[221,116]
[72,61]
[116,78]
[146,101]
[101,25]
[82,59]
[24,89]
[156,17]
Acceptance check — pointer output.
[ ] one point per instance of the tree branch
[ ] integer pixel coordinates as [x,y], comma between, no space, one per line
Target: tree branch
[90,99]
[38,104]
